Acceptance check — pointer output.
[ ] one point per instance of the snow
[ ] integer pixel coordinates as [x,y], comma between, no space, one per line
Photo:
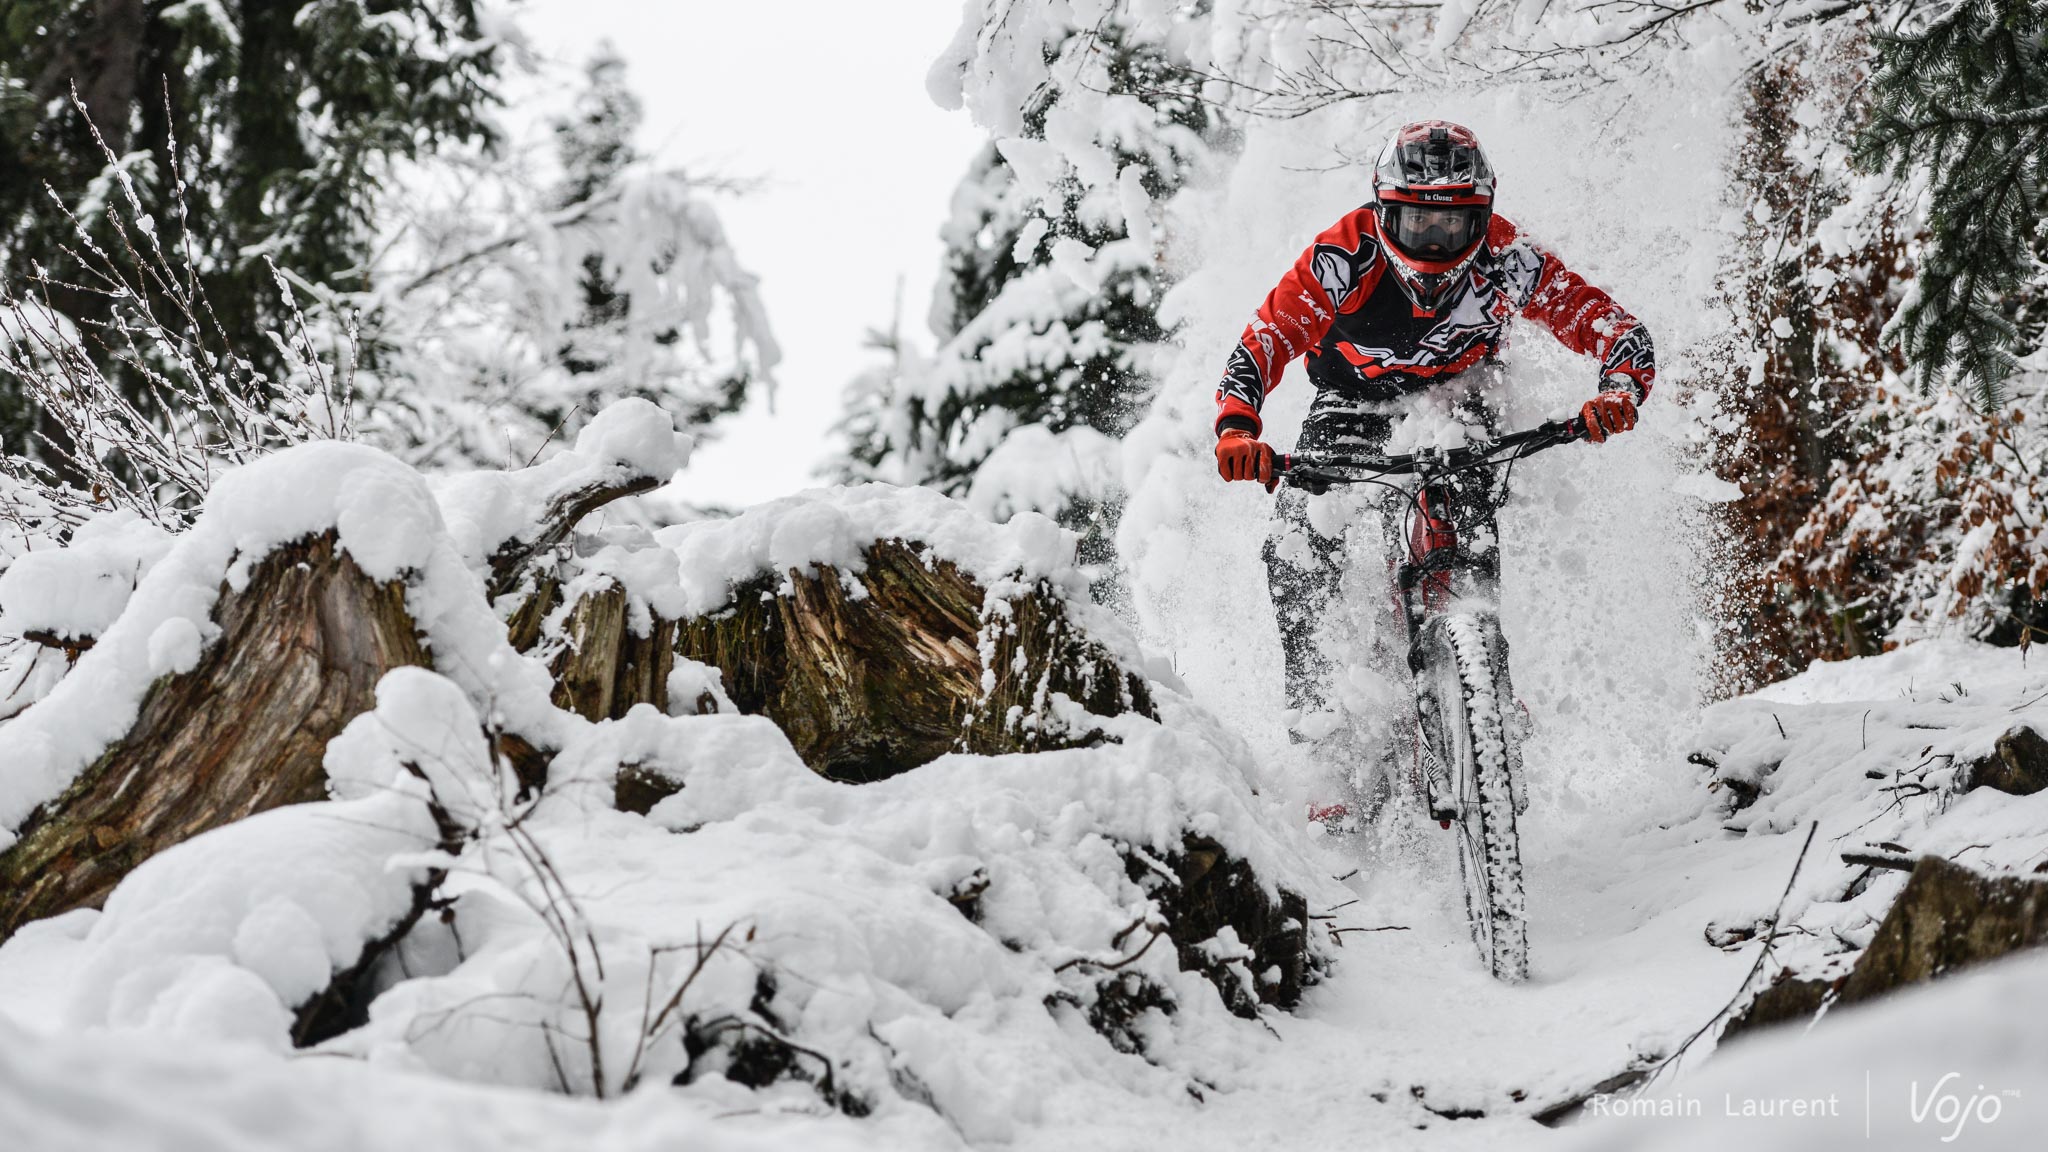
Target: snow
[630,440]
[76,591]
[162,1019]
[220,936]
[386,519]
[1954,1063]
[1036,469]
[833,526]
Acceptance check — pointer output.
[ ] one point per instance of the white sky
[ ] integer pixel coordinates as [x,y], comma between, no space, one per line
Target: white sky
[824,101]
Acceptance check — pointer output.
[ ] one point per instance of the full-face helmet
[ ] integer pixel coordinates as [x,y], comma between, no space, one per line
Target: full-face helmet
[1433,191]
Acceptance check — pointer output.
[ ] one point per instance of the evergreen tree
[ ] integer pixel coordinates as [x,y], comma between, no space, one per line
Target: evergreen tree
[521,295]
[266,128]
[1965,99]
[1047,307]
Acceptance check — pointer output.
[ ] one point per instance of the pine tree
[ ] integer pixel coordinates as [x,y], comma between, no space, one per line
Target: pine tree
[1047,306]
[264,128]
[1965,99]
[526,293]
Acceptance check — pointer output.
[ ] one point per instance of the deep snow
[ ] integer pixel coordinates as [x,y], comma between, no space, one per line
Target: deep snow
[1407,1027]
[1632,861]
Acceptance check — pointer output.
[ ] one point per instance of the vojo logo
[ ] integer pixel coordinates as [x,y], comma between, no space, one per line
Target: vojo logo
[1947,1109]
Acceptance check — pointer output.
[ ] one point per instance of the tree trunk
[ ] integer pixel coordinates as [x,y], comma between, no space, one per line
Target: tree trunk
[300,653]
[876,673]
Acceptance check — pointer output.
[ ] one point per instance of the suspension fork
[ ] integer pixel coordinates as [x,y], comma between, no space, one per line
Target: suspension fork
[1422,583]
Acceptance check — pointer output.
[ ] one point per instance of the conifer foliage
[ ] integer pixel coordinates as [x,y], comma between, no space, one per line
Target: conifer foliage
[524,290]
[266,128]
[1047,308]
[1964,97]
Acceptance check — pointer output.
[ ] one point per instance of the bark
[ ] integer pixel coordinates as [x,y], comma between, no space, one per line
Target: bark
[607,668]
[1211,890]
[2018,764]
[873,674]
[512,559]
[300,653]
[1946,919]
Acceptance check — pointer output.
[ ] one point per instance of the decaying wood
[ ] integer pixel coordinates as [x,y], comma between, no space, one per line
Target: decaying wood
[1209,890]
[606,667]
[1946,919]
[300,653]
[510,562]
[876,673]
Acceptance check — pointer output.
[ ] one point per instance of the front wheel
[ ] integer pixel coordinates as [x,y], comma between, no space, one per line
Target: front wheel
[1465,708]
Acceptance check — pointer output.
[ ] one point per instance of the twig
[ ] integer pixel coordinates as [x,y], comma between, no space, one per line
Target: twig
[1763,954]
[1888,860]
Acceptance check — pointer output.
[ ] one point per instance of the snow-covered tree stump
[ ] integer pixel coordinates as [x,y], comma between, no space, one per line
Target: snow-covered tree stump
[1946,919]
[302,647]
[875,673]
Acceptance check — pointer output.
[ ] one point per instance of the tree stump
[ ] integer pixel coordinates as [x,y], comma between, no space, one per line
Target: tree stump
[1946,919]
[2018,764]
[300,653]
[873,674]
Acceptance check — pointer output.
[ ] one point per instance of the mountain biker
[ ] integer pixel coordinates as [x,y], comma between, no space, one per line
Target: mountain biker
[1404,293]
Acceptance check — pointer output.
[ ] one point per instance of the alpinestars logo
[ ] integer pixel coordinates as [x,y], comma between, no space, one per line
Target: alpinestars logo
[1631,355]
[1337,270]
[1452,345]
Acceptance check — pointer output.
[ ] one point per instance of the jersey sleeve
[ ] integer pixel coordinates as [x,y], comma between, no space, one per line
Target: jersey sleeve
[1582,317]
[1295,316]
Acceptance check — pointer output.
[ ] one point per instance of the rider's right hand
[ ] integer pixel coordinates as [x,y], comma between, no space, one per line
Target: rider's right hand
[1240,456]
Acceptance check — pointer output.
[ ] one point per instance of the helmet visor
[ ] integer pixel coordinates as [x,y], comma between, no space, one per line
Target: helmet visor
[1433,232]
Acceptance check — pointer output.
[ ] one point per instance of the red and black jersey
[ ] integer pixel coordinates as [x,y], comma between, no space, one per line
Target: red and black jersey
[1339,307]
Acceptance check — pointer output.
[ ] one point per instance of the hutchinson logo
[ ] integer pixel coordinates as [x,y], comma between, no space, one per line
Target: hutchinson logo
[1944,1108]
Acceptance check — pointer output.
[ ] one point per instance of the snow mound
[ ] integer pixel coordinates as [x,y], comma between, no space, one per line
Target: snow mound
[1879,752]
[384,517]
[629,440]
[833,526]
[1956,1063]
[76,592]
[223,935]
[940,939]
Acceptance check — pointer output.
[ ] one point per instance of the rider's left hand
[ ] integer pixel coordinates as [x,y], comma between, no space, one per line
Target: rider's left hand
[1608,414]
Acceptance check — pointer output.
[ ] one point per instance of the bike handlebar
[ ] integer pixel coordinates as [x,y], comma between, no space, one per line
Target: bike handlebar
[1304,469]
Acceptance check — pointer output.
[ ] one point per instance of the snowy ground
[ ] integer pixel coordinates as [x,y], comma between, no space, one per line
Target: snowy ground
[1633,861]
[1407,1029]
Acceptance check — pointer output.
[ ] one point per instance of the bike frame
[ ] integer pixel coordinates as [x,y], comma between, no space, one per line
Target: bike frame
[1422,582]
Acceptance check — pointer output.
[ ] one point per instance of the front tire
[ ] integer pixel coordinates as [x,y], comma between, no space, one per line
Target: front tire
[1465,711]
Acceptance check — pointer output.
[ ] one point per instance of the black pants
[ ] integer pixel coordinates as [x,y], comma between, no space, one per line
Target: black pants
[1303,580]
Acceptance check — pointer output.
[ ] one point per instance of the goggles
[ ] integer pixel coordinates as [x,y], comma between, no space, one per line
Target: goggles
[1434,232]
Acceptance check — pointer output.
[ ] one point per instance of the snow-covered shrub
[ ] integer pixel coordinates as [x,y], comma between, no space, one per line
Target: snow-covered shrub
[1942,522]
[146,403]
[520,292]
[1820,262]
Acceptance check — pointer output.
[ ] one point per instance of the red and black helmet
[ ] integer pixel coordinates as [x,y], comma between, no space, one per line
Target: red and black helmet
[1433,190]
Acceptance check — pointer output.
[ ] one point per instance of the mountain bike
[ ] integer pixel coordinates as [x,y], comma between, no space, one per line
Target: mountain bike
[1468,725]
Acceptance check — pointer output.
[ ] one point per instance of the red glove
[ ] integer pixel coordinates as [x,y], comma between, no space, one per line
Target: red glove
[1608,414]
[1240,456]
